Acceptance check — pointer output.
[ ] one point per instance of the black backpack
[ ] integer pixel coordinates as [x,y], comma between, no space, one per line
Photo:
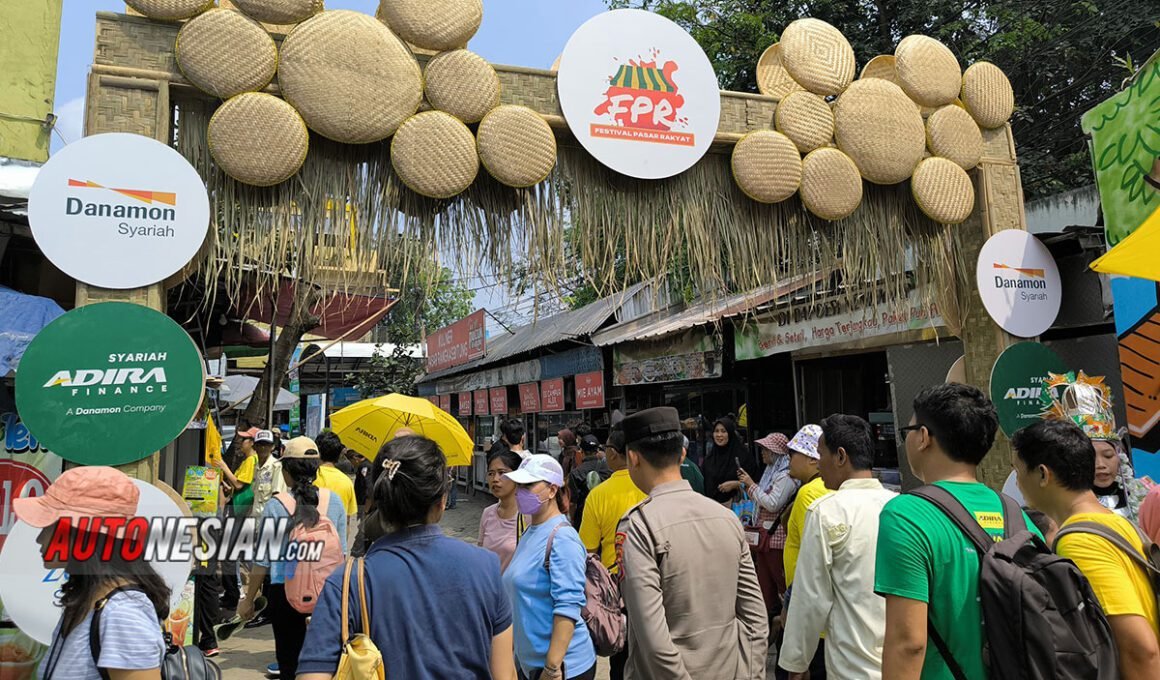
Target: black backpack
[180,663]
[1041,620]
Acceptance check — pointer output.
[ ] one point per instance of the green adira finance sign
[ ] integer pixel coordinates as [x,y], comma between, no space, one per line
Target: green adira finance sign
[109,383]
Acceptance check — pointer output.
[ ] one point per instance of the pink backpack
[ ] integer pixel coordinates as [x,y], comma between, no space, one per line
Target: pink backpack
[304,587]
[603,612]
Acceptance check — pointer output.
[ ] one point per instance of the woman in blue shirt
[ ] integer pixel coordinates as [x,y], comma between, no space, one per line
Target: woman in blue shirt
[551,640]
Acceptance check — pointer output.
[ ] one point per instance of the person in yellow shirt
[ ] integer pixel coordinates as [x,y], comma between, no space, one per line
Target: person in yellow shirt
[330,450]
[803,466]
[604,507]
[1054,465]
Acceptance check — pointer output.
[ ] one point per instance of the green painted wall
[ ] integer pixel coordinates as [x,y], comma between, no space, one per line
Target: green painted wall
[29,38]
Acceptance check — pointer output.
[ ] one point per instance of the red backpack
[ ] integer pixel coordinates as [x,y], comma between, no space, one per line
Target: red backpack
[304,587]
[603,612]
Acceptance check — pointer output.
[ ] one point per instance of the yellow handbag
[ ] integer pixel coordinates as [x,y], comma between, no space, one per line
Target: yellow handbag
[361,659]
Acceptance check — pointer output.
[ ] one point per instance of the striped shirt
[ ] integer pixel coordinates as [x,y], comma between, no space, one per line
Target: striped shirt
[130,640]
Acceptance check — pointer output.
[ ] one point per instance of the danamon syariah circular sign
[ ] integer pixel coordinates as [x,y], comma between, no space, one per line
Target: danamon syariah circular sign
[109,383]
[118,211]
[639,93]
[1019,283]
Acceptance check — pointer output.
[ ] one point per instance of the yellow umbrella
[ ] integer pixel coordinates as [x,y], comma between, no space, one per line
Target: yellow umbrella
[368,424]
[1136,255]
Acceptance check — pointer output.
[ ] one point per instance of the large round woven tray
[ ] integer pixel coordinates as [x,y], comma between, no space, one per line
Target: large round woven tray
[951,133]
[817,56]
[882,67]
[258,139]
[806,119]
[928,71]
[434,154]
[225,53]
[831,187]
[280,11]
[772,78]
[877,126]
[170,10]
[463,84]
[517,146]
[351,78]
[943,190]
[766,166]
[987,94]
[433,24]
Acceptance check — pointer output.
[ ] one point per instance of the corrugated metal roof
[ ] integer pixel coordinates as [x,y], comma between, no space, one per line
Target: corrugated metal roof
[570,325]
[666,322]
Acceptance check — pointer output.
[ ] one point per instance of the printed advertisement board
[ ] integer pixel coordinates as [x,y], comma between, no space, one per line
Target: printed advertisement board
[530,397]
[1019,283]
[552,395]
[590,390]
[461,342]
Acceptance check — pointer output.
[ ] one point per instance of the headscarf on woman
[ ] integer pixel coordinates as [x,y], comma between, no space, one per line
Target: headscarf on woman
[721,462]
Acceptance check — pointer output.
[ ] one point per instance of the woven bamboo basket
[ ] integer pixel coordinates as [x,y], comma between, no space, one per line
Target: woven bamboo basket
[517,146]
[987,94]
[772,78]
[831,186]
[433,24]
[882,67]
[928,71]
[352,80]
[817,56]
[943,191]
[280,11]
[880,128]
[951,133]
[434,154]
[225,53]
[463,84]
[766,166]
[170,10]
[806,119]
[258,139]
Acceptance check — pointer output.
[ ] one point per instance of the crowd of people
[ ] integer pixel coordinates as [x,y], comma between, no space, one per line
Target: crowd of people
[800,556]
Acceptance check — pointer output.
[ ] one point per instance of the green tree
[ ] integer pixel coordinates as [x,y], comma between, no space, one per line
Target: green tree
[1062,57]
[434,300]
[387,373]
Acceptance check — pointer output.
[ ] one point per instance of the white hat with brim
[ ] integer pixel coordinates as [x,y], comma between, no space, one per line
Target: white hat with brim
[538,468]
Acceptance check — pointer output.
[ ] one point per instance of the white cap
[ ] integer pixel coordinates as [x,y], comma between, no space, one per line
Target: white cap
[538,468]
[264,437]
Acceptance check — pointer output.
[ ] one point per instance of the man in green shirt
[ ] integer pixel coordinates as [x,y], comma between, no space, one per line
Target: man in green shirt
[690,472]
[925,566]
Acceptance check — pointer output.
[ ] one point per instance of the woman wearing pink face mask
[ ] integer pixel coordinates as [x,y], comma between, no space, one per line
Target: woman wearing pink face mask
[551,640]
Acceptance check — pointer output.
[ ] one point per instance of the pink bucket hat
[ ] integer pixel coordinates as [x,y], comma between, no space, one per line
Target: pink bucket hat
[805,441]
[776,442]
[92,491]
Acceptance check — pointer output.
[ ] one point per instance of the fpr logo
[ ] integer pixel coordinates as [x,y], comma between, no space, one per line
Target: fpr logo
[644,102]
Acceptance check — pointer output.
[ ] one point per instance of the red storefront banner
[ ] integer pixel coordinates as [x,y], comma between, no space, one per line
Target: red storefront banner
[465,403]
[434,399]
[459,343]
[445,402]
[530,397]
[499,404]
[590,390]
[552,395]
[481,403]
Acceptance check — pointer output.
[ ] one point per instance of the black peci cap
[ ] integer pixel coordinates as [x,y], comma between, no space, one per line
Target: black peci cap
[590,443]
[649,422]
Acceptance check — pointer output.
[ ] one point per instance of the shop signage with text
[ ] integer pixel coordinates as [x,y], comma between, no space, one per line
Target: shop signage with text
[445,402]
[590,390]
[465,404]
[1017,381]
[499,405]
[1019,283]
[552,395]
[693,355]
[482,407]
[530,397]
[461,342]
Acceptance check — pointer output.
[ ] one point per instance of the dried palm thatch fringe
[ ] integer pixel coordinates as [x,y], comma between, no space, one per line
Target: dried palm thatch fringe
[347,223]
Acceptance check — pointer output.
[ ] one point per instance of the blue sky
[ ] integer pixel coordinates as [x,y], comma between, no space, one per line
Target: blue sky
[519,32]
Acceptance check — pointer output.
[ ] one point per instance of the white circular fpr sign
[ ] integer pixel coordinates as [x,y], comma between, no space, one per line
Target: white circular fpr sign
[1019,283]
[118,210]
[639,93]
[30,591]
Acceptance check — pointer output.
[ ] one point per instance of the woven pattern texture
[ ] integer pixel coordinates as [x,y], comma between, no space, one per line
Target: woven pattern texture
[818,56]
[170,10]
[433,24]
[806,119]
[766,166]
[987,94]
[517,146]
[927,70]
[951,133]
[881,67]
[463,84]
[280,11]
[258,139]
[351,78]
[225,53]
[880,129]
[434,155]
[943,191]
[772,78]
[831,187]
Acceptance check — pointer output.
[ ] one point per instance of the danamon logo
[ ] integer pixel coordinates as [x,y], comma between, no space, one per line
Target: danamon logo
[144,196]
[644,102]
[1028,278]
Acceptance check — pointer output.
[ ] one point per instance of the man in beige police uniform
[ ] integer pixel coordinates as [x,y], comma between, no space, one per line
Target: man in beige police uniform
[695,610]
